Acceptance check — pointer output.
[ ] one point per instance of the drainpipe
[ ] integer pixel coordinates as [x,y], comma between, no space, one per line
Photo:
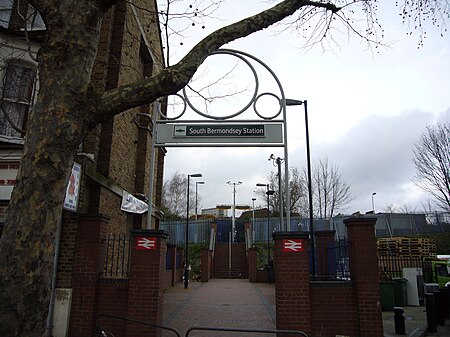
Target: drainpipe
[51,307]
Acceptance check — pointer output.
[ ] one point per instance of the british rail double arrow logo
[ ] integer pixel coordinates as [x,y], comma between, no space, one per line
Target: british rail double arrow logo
[145,243]
[292,246]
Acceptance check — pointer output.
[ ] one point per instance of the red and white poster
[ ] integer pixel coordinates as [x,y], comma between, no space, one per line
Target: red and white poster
[293,246]
[145,243]
[8,174]
[73,188]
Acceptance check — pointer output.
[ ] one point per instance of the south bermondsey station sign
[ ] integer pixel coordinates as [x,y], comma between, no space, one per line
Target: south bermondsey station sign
[220,133]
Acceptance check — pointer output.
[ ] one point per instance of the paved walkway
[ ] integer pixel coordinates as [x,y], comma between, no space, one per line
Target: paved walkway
[239,304]
[222,304]
[415,324]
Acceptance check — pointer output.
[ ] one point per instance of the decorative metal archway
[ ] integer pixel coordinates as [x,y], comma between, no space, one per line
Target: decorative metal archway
[164,137]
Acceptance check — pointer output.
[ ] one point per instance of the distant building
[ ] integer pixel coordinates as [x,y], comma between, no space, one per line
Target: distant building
[216,212]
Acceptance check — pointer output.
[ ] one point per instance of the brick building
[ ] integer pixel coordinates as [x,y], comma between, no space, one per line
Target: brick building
[115,157]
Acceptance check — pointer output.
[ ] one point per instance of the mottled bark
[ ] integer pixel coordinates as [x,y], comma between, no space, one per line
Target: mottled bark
[56,127]
[65,112]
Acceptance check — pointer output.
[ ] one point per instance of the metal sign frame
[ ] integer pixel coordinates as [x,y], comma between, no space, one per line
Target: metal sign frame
[163,124]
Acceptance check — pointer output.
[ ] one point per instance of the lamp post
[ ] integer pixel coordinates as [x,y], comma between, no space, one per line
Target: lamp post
[196,195]
[291,102]
[269,192]
[277,161]
[186,262]
[233,219]
[373,205]
[253,219]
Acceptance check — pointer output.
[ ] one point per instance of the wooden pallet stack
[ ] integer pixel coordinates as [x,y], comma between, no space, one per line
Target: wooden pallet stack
[404,246]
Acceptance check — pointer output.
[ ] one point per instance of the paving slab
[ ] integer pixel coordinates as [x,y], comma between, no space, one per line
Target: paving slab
[415,324]
[220,303]
[236,303]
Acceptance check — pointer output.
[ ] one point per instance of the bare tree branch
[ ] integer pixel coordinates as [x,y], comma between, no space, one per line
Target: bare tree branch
[432,163]
[174,78]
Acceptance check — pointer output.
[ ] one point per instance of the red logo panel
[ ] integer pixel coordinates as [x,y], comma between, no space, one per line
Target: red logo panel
[292,246]
[145,243]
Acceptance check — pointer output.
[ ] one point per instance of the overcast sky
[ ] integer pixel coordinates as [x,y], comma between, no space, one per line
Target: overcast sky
[366,110]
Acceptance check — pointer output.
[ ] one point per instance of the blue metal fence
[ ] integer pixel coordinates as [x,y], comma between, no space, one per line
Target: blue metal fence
[199,231]
[331,261]
[387,224]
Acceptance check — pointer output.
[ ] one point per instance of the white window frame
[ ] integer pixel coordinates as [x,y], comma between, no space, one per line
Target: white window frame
[23,104]
[5,12]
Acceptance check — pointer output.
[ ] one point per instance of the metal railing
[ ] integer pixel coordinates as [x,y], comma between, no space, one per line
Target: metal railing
[117,256]
[199,231]
[104,332]
[332,261]
[254,331]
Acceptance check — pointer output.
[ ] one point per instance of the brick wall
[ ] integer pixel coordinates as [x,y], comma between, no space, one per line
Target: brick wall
[120,147]
[324,308]
[206,265]
[88,264]
[333,309]
[112,300]
[67,249]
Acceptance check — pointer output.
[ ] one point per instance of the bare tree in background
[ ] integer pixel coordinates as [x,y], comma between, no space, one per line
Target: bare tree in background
[177,18]
[174,196]
[297,187]
[330,192]
[391,208]
[432,163]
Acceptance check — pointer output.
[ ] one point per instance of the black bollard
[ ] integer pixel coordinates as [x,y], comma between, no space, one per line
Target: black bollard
[438,298]
[431,312]
[444,305]
[399,321]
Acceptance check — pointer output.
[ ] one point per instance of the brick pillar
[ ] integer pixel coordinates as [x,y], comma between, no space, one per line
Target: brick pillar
[145,294]
[248,230]
[89,259]
[292,292]
[205,265]
[252,265]
[180,261]
[323,241]
[172,252]
[214,226]
[364,274]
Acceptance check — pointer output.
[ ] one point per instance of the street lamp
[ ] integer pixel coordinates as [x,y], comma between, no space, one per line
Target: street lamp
[196,195]
[291,102]
[253,219]
[186,262]
[373,205]
[233,219]
[269,192]
[277,161]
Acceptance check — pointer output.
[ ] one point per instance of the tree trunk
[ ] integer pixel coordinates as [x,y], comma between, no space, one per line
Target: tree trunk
[55,130]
